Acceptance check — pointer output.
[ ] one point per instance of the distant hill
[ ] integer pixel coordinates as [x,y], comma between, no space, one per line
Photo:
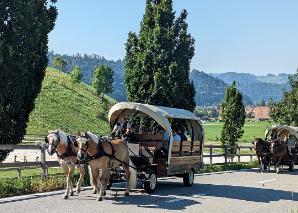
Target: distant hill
[87,64]
[210,90]
[68,106]
[257,87]
[229,77]
[275,79]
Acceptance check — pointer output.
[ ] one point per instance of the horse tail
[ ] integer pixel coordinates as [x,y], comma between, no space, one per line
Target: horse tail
[133,176]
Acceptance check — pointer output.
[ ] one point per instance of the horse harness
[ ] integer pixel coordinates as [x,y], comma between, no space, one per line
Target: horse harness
[102,152]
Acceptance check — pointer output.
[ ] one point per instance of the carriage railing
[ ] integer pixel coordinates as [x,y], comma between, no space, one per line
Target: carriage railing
[215,154]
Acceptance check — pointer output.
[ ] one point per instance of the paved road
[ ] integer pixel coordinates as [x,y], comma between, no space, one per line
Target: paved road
[239,191]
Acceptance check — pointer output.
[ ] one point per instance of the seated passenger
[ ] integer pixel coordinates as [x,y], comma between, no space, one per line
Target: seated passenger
[176,137]
[182,135]
[291,143]
[164,133]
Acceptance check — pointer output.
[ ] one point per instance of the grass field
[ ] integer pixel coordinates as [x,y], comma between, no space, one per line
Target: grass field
[69,106]
[34,172]
[251,130]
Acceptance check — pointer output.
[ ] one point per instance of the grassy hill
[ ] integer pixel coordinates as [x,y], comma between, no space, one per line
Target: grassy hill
[68,106]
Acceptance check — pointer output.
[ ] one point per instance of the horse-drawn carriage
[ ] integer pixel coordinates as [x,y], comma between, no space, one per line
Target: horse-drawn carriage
[289,136]
[154,155]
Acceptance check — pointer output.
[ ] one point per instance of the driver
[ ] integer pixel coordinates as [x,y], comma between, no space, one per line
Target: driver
[122,128]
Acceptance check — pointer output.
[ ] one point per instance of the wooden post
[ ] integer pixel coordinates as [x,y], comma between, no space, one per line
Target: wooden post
[19,172]
[210,153]
[15,158]
[43,160]
[226,154]
[250,154]
[239,153]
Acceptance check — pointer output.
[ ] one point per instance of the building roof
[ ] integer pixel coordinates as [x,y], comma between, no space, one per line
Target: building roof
[261,112]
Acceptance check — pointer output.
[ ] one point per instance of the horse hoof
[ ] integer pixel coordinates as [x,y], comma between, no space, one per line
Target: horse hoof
[126,194]
[104,194]
[71,194]
[99,199]
[78,191]
[94,191]
[65,197]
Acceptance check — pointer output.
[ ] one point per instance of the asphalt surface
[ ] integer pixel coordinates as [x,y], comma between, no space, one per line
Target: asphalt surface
[237,191]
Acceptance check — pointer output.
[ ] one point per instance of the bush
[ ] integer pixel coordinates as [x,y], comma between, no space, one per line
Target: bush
[28,185]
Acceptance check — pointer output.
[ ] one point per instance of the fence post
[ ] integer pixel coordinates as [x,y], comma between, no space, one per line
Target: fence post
[43,160]
[250,154]
[239,154]
[226,154]
[210,153]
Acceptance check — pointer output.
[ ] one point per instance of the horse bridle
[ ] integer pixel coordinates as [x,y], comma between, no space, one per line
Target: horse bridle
[57,135]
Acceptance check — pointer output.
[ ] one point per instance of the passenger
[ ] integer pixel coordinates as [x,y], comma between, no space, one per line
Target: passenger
[182,135]
[165,134]
[143,129]
[291,144]
[176,137]
[122,128]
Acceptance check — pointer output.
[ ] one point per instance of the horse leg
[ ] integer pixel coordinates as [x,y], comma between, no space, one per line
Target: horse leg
[70,177]
[95,173]
[127,177]
[81,179]
[66,172]
[104,178]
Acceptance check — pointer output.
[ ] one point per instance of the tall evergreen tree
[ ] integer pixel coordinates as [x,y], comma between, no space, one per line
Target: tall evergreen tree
[24,29]
[103,80]
[286,111]
[76,74]
[157,61]
[233,115]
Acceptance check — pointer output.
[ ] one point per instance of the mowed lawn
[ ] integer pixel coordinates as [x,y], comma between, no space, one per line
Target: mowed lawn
[251,130]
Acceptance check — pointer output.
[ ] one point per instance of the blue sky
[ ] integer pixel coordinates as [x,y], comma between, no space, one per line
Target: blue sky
[254,36]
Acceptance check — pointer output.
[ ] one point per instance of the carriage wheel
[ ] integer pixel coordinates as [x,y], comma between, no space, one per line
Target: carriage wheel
[188,178]
[150,183]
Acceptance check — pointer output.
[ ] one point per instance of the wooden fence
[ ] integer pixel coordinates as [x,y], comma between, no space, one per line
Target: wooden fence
[216,151]
[37,143]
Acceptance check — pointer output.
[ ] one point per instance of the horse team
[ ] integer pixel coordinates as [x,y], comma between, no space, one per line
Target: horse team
[101,154]
[273,152]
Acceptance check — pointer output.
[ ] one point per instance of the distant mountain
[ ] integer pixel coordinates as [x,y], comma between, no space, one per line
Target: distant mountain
[210,90]
[276,79]
[229,77]
[257,87]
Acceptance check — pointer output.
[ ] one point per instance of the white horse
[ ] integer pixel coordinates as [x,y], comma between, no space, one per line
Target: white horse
[63,145]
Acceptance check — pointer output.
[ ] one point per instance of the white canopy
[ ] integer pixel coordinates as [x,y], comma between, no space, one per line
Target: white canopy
[282,128]
[158,113]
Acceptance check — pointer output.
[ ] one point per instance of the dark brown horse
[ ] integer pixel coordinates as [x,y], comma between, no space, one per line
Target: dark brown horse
[279,152]
[263,153]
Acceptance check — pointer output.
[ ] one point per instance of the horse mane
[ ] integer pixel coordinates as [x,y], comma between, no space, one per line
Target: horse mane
[63,137]
[93,137]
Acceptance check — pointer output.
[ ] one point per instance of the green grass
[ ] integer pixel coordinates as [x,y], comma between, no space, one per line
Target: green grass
[69,106]
[227,167]
[251,130]
[28,172]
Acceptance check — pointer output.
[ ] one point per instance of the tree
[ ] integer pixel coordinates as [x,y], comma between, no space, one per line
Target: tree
[233,115]
[103,80]
[157,60]
[76,75]
[24,29]
[59,63]
[286,110]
